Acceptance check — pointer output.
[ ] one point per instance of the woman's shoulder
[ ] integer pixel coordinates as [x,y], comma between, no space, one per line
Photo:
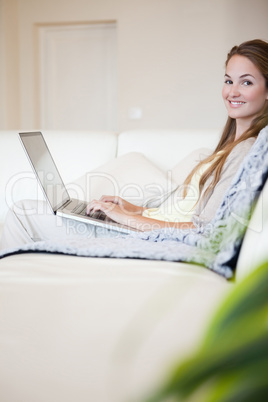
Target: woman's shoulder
[247,143]
[243,146]
[239,152]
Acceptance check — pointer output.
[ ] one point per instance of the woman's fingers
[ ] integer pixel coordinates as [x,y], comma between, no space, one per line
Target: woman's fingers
[96,205]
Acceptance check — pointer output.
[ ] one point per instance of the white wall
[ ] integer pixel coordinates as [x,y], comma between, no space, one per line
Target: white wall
[9,80]
[171,55]
[2,70]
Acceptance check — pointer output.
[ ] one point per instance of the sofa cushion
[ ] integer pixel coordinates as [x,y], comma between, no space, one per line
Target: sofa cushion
[80,323]
[131,176]
[181,170]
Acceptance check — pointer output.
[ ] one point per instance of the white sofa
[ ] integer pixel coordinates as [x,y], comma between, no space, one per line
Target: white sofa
[96,329]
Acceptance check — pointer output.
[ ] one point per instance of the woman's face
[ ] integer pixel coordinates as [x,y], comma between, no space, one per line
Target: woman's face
[244,91]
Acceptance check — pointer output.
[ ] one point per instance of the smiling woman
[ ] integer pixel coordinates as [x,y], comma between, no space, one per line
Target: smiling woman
[245,94]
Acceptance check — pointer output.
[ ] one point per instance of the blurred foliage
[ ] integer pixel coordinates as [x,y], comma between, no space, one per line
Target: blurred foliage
[231,365]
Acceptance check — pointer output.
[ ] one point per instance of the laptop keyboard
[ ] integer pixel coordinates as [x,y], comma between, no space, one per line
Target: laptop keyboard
[81,209]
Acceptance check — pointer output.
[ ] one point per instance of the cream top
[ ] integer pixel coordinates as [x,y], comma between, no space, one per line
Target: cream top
[177,208]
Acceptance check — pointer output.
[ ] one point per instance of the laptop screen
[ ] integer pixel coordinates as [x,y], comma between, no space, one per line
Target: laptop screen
[45,169]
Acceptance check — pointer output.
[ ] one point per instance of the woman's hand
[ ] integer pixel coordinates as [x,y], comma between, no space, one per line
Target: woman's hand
[125,206]
[116,208]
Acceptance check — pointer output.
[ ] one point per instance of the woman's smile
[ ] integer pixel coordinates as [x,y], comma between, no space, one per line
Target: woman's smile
[236,104]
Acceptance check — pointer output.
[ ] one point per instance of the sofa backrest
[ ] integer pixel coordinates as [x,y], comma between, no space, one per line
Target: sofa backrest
[165,148]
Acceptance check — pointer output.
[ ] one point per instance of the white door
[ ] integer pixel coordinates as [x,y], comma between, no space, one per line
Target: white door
[78,77]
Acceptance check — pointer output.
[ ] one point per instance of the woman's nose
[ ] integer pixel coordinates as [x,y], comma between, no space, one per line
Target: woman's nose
[234,90]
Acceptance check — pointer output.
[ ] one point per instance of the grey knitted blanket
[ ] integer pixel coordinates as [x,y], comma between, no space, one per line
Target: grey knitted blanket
[215,246]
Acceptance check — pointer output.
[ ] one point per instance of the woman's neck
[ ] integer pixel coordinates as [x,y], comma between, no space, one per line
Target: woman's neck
[241,127]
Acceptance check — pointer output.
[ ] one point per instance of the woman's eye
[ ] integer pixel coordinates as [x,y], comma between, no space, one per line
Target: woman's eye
[229,82]
[247,83]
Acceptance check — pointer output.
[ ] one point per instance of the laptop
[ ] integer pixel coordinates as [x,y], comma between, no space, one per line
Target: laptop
[55,191]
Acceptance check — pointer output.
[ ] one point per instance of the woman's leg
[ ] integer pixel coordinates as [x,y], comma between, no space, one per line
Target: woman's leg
[30,221]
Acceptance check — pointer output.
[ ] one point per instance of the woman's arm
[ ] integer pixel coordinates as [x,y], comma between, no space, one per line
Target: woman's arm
[130,215]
